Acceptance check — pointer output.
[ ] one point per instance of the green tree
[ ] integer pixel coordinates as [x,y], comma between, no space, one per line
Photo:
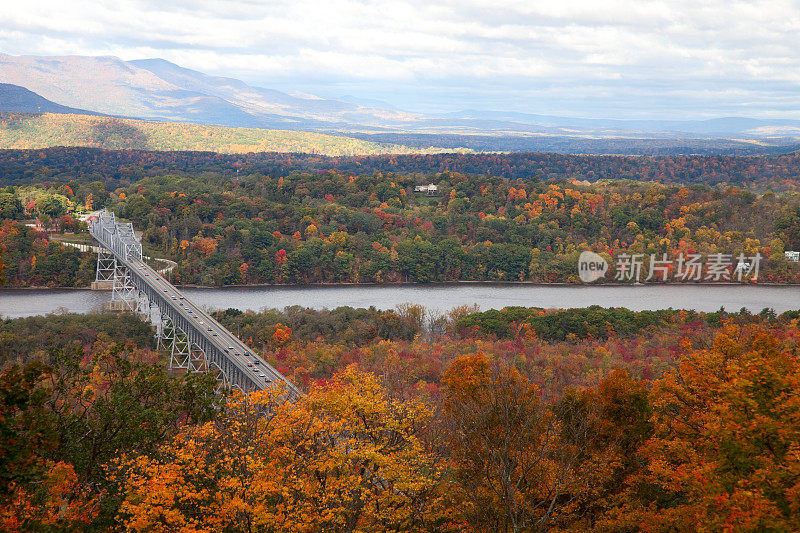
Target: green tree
[50,205]
[10,206]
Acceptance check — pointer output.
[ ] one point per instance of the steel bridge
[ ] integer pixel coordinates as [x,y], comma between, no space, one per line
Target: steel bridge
[196,342]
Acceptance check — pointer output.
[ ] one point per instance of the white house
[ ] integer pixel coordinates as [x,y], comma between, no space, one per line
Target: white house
[427,189]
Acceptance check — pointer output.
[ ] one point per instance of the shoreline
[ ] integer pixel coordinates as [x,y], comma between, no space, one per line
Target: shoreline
[431,284]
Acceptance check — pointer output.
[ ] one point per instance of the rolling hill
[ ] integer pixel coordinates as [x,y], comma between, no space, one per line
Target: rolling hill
[33,130]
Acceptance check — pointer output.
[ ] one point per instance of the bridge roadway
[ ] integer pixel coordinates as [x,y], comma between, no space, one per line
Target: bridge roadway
[242,367]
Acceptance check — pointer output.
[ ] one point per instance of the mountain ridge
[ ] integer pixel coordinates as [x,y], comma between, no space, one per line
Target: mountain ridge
[14,98]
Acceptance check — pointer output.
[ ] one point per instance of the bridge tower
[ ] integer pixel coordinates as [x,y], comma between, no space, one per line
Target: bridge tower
[106,267]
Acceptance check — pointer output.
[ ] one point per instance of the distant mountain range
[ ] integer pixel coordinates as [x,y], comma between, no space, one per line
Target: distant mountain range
[159,90]
[709,128]
[155,89]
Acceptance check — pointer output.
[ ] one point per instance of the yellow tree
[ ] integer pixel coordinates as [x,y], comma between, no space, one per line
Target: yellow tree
[344,458]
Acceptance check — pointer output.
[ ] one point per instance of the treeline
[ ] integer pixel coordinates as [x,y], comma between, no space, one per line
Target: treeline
[312,228]
[592,322]
[122,167]
[411,346]
[585,145]
[355,326]
[102,438]
[342,325]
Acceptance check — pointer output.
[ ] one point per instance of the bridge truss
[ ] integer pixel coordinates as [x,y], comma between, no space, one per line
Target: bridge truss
[195,341]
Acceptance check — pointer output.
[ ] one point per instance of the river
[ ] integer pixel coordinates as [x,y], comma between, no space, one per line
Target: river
[20,303]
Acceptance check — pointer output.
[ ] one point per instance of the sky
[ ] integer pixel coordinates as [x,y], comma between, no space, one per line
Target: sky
[598,58]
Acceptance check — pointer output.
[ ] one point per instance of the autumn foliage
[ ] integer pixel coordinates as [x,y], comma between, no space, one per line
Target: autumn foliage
[725,446]
[440,434]
[512,217]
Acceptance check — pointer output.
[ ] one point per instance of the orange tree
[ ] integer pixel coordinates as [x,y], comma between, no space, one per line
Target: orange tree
[36,494]
[725,453]
[56,502]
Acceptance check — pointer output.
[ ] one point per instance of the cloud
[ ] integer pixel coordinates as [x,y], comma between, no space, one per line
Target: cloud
[621,57]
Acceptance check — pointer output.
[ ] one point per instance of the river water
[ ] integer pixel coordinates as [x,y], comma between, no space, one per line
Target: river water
[19,303]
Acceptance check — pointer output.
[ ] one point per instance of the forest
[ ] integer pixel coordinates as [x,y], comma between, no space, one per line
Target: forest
[334,227]
[686,421]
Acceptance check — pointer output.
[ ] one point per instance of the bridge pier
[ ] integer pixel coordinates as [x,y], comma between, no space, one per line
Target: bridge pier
[127,294]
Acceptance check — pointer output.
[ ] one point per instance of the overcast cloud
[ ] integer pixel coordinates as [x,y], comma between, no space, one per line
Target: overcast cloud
[615,58]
